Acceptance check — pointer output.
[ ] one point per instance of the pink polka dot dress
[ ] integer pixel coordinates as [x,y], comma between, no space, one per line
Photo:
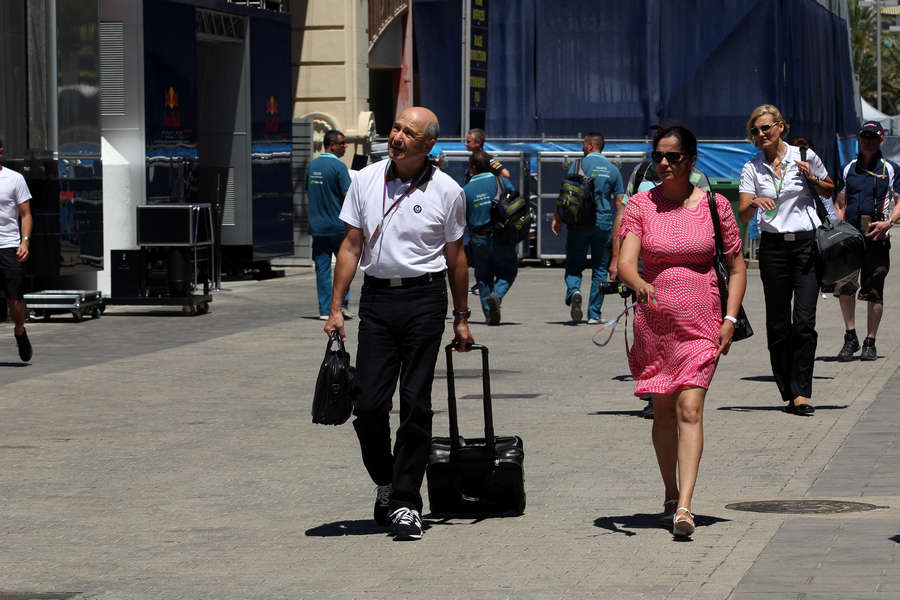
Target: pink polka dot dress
[675,345]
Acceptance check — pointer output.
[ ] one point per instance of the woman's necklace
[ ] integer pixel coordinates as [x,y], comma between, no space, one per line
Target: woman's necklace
[775,163]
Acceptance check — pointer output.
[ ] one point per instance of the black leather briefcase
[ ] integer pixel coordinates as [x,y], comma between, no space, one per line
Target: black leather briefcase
[479,475]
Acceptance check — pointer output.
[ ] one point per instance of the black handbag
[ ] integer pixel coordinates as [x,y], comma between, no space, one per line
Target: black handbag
[742,329]
[478,475]
[840,247]
[336,390]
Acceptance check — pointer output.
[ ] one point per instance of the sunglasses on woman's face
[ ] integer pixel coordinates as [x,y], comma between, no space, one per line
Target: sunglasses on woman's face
[672,157]
[763,128]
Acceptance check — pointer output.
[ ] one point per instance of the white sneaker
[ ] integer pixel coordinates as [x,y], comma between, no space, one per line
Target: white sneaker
[323,317]
[593,321]
[346,312]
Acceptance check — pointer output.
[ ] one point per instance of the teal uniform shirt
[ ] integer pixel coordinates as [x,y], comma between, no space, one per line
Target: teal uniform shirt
[607,185]
[480,192]
[327,182]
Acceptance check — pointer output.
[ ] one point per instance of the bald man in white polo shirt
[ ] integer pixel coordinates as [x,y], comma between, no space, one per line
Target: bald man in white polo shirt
[405,221]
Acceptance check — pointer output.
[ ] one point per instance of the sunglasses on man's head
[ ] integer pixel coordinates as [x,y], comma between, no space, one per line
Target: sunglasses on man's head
[672,157]
[763,128]
[870,135]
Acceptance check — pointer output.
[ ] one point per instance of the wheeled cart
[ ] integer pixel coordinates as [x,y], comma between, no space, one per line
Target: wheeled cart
[79,303]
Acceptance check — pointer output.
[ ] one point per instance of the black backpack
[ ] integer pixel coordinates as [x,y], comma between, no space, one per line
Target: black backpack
[336,389]
[575,205]
[510,215]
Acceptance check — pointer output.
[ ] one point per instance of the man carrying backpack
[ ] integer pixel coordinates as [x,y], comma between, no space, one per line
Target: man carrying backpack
[494,258]
[605,183]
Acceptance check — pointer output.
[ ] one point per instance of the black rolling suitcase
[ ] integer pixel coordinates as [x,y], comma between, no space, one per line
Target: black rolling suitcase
[479,475]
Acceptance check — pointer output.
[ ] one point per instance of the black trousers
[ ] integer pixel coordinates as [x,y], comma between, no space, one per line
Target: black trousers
[400,333]
[788,272]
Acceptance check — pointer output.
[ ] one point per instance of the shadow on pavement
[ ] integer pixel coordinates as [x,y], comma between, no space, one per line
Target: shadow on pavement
[470,518]
[623,523]
[469,373]
[570,323]
[770,378]
[781,408]
[14,364]
[622,378]
[896,538]
[835,358]
[340,528]
[621,413]
[173,312]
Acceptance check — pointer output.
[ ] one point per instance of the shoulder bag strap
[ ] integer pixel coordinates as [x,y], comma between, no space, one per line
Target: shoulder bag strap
[720,251]
[820,208]
[714,212]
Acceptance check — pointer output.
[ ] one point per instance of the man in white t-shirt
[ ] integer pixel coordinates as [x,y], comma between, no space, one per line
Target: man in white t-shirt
[14,205]
[405,221]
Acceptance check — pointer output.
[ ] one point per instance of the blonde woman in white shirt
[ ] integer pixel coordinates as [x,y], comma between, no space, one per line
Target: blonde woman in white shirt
[777,183]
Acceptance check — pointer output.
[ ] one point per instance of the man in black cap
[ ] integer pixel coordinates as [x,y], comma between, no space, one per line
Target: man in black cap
[869,190]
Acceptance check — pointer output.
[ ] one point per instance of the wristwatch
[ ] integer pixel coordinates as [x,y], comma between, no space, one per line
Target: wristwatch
[27,239]
[464,314]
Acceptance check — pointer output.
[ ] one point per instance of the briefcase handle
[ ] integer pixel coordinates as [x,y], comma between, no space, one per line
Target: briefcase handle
[451,397]
[333,337]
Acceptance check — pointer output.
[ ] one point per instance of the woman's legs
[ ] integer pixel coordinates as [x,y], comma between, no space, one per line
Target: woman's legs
[689,412]
[665,441]
[678,440]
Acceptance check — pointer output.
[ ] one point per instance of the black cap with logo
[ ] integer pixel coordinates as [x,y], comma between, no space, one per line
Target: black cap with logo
[872,127]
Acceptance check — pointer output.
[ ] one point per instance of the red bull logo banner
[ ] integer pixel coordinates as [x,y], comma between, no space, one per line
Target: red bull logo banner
[272,124]
[171,112]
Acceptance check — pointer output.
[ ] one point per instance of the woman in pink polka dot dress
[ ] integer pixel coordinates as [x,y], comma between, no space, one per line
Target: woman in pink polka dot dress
[679,329]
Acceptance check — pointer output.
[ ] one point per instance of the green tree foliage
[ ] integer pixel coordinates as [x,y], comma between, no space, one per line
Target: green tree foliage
[862,47]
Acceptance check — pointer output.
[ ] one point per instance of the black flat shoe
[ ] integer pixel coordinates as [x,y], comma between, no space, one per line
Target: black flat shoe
[24,346]
[802,410]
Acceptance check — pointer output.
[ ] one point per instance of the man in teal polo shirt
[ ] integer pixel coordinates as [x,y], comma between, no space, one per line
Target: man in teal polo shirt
[495,261]
[327,182]
[608,192]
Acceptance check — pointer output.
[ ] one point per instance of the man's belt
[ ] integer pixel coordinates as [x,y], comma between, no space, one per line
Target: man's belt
[403,282]
[791,236]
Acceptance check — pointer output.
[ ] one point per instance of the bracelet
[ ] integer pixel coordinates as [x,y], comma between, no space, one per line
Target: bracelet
[730,318]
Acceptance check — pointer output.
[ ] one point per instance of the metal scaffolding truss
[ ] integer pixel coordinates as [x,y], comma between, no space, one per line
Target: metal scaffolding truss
[274,5]
[219,26]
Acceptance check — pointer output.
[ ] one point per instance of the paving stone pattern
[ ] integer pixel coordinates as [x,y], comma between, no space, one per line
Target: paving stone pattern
[152,456]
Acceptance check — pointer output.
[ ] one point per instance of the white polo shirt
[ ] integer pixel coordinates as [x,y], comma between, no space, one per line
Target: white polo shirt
[13,192]
[796,208]
[407,240]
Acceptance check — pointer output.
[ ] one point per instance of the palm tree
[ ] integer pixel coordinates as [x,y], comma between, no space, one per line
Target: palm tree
[863,52]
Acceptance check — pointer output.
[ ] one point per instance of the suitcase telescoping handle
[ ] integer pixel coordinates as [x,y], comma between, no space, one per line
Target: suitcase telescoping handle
[451,397]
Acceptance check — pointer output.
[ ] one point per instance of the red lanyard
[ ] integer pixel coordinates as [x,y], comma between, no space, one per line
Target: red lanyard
[384,213]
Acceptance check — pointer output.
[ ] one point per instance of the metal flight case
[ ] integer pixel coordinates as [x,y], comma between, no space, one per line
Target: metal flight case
[79,303]
[173,266]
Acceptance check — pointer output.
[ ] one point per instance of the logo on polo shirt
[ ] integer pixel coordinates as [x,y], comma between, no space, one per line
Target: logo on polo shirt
[417,209]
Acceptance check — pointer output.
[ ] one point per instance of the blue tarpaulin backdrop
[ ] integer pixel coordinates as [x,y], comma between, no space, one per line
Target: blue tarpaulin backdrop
[563,67]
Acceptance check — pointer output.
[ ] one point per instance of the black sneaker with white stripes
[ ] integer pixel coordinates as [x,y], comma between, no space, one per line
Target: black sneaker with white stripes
[382,503]
[406,524]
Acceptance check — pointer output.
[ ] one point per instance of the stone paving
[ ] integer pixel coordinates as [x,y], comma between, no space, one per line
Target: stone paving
[150,455]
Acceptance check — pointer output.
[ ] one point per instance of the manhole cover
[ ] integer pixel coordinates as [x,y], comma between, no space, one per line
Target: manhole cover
[802,507]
